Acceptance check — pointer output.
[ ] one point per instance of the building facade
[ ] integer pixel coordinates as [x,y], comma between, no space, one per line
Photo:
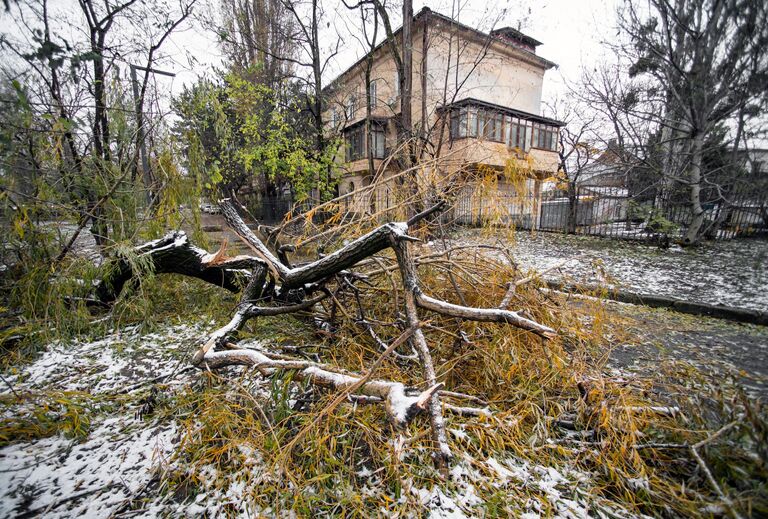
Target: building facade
[475,104]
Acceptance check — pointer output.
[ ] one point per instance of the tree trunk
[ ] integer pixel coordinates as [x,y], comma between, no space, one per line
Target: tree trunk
[693,234]
[318,100]
[173,253]
[573,209]
[407,80]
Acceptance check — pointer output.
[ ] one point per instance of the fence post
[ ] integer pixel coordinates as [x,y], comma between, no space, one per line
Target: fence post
[536,213]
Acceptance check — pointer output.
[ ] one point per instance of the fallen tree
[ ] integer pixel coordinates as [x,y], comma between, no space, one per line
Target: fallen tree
[270,286]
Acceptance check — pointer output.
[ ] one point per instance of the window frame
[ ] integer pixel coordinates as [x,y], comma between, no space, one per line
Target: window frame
[378,140]
[351,108]
[373,98]
[478,122]
[356,141]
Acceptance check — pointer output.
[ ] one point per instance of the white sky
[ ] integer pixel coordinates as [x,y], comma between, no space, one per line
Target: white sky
[570,30]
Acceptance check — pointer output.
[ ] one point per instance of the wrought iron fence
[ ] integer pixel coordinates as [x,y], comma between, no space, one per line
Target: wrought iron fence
[592,210]
[270,209]
[274,209]
[611,212]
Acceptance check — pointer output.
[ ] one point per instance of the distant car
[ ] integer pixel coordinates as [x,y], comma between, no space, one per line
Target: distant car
[209,208]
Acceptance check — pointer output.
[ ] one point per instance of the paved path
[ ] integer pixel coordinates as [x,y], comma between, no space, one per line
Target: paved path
[725,351]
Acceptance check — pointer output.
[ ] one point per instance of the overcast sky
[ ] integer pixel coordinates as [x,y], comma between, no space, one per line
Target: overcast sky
[571,32]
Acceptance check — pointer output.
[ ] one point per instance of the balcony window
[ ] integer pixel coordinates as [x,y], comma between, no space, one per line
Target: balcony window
[472,122]
[378,143]
[459,123]
[512,126]
[519,134]
[494,125]
[545,137]
[356,142]
[491,125]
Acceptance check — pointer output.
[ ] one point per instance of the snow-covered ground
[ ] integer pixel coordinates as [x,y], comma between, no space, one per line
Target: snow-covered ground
[117,468]
[728,272]
[100,474]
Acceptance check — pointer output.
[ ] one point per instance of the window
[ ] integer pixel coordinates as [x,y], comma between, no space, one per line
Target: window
[335,118]
[524,130]
[494,125]
[519,134]
[459,123]
[378,143]
[351,106]
[472,122]
[512,125]
[545,137]
[355,142]
[490,125]
[372,100]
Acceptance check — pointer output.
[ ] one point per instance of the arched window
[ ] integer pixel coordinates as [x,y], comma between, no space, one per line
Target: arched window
[351,187]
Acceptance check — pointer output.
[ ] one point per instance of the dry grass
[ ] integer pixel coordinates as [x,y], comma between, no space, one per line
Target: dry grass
[554,404]
[532,388]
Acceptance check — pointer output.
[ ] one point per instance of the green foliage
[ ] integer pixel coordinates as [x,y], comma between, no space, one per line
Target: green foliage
[272,146]
[40,415]
[653,217]
[237,133]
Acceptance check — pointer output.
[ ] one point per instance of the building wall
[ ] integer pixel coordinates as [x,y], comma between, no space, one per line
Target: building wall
[462,66]
[459,65]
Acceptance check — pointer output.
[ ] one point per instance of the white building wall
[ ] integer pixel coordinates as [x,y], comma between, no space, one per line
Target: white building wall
[496,74]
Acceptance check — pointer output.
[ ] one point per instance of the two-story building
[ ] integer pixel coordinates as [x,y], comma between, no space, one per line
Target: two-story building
[475,104]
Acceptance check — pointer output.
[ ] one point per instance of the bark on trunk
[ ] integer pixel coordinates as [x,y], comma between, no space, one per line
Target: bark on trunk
[693,234]
[174,254]
[572,208]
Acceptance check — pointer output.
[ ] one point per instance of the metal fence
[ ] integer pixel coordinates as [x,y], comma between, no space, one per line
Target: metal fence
[592,210]
[270,209]
[611,212]
[273,209]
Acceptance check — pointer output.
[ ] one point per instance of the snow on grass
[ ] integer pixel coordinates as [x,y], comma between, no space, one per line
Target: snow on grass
[562,493]
[115,362]
[97,475]
[58,477]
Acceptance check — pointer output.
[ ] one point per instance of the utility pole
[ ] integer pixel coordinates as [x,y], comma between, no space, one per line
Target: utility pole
[405,99]
[140,141]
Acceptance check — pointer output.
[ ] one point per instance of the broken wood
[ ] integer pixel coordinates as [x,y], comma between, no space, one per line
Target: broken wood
[271,286]
[174,254]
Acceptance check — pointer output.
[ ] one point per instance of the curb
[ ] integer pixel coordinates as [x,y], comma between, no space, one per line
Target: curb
[742,315]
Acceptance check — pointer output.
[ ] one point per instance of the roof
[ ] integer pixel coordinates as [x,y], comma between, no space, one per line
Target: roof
[426,12]
[373,119]
[511,111]
[512,33]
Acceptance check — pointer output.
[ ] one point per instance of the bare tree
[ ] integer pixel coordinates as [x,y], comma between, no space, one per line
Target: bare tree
[257,40]
[71,81]
[576,150]
[708,61]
